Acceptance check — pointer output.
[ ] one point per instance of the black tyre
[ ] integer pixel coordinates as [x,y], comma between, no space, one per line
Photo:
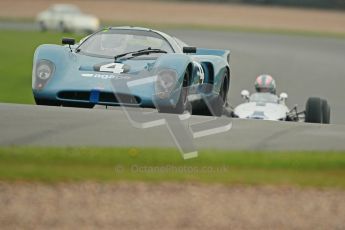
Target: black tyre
[182,103]
[218,104]
[62,27]
[47,102]
[313,110]
[42,26]
[326,112]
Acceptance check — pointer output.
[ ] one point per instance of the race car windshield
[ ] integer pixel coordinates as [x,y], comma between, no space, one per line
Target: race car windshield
[109,43]
[263,97]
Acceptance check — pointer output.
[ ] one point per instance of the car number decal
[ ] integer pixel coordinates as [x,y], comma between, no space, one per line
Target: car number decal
[112,68]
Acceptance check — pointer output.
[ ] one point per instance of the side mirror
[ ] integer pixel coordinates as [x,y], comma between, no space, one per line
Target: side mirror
[189,50]
[245,94]
[283,96]
[68,41]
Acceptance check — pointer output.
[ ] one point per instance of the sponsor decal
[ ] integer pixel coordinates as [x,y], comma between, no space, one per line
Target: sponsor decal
[87,74]
[105,76]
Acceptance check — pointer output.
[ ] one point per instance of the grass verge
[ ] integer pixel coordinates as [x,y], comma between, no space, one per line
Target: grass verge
[311,169]
[17,50]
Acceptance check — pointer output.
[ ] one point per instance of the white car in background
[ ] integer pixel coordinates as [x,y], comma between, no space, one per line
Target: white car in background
[67,18]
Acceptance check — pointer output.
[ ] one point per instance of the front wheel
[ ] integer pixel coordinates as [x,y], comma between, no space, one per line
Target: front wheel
[62,28]
[182,103]
[326,112]
[313,110]
[42,26]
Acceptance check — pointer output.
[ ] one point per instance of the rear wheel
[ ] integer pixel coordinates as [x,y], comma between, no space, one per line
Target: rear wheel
[217,106]
[313,111]
[326,112]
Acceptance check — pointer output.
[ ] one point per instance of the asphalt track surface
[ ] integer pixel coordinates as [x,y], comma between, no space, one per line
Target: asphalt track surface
[54,126]
[302,67]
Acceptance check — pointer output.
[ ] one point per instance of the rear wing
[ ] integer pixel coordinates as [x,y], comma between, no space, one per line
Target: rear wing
[222,53]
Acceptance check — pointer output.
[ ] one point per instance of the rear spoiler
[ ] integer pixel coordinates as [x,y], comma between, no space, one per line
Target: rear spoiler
[222,53]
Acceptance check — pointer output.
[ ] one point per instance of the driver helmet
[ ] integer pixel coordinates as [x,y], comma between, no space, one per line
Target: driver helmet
[265,84]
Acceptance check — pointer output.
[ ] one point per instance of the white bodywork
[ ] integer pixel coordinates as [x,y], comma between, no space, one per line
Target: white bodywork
[263,106]
[66,17]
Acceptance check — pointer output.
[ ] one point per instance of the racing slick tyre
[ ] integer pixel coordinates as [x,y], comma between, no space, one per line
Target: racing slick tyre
[62,28]
[183,103]
[326,112]
[313,110]
[217,106]
[47,102]
[42,26]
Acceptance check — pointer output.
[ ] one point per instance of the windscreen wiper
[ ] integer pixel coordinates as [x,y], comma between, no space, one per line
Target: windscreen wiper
[140,52]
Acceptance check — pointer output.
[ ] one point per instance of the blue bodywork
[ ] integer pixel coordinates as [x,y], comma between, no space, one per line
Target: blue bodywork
[75,81]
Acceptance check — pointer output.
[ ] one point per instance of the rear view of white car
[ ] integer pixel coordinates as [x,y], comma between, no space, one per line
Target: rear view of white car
[67,18]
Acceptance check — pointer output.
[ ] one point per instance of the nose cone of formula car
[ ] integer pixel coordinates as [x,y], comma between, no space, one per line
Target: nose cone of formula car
[263,111]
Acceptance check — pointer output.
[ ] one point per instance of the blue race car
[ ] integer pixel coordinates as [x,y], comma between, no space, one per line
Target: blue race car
[132,66]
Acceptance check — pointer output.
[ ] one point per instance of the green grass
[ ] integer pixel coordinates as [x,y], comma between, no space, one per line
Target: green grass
[17,49]
[315,169]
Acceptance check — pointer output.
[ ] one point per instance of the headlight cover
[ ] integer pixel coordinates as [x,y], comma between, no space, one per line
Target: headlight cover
[166,82]
[43,71]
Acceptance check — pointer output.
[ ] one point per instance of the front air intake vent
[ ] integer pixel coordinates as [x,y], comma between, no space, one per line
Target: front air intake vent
[104,97]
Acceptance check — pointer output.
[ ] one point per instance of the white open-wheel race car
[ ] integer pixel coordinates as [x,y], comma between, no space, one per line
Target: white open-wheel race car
[268,106]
